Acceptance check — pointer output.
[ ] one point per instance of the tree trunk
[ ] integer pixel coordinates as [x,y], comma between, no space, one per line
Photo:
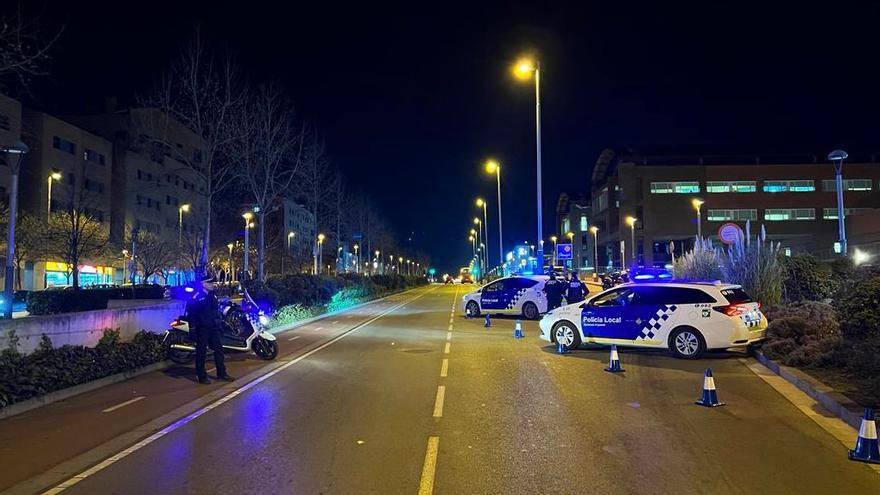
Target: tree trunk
[261,247]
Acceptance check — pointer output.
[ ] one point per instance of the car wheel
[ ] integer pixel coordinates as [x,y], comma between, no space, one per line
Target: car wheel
[530,311]
[472,309]
[565,333]
[686,343]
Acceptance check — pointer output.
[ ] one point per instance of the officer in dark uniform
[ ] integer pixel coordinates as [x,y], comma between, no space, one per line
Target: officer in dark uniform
[206,323]
[576,289]
[554,289]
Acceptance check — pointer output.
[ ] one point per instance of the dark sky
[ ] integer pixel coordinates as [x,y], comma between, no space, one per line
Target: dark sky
[412,99]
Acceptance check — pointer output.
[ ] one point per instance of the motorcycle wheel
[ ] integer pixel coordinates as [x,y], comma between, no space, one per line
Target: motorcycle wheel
[266,349]
[180,356]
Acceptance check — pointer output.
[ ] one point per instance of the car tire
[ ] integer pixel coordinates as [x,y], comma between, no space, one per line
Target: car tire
[530,311]
[472,309]
[687,343]
[566,332]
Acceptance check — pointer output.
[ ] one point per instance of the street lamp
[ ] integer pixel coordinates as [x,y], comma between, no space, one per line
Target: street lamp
[357,259]
[570,236]
[247,241]
[55,175]
[837,157]
[554,239]
[18,150]
[493,167]
[290,236]
[631,221]
[595,231]
[231,277]
[399,262]
[180,211]
[481,203]
[697,204]
[523,70]
[480,239]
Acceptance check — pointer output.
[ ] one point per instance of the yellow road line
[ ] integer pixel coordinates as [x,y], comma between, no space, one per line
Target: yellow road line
[426,485]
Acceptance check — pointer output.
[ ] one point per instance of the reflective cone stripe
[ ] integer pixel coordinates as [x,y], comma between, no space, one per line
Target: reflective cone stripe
[709,383]
[614,355]
[868,430]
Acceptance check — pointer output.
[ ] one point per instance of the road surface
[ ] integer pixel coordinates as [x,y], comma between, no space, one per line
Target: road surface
[406,396]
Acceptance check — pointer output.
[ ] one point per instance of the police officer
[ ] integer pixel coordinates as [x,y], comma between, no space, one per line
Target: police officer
[554,289]
[206,323]
[576,290]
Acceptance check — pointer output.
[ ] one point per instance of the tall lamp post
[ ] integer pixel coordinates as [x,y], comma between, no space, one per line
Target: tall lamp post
[231,277]
[493,167]
[180,211]
[290,236]
[697,204]
[375,266]
[837,157]
[481,203]
[524,69]
[55,175]
[631,221]
[570,236]
[554,239]
[247,242]
[16,154]
[595,231]
[480,240]
[319,256]
[357,259]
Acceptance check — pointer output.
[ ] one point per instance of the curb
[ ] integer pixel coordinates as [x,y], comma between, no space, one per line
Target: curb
[832,400]
[66,393]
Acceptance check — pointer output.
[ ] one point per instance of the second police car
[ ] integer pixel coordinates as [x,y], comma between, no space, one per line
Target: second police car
[509,295]
[687,318]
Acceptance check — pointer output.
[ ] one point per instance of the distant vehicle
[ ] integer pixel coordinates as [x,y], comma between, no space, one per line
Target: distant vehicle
[465,275]
[509,295]
[687,318]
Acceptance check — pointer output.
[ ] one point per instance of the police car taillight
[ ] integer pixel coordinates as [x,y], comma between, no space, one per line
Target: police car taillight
[736,309]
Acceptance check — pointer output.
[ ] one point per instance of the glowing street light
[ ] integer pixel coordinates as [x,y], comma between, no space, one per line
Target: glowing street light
[231,277]
[595,231]
[180,211]
[482,204]
[357,259]
[524,69]
[55,175]
[18,150]
[247,241]
[631,221]
[319,254]
[860,256]
[494,167]
[697,204]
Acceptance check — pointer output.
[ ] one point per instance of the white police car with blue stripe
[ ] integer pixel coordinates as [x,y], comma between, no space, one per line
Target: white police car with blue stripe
[509,295]
[686,317]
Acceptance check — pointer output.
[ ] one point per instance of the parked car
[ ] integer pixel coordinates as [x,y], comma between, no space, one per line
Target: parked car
[518,295]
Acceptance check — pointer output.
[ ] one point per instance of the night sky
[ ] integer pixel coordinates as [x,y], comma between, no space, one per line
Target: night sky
[411,101]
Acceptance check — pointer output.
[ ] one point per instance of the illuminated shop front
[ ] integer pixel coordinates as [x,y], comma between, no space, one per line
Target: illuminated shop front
[61,274]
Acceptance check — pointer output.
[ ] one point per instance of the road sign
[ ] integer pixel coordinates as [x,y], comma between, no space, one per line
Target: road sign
[729,233]
[563,251]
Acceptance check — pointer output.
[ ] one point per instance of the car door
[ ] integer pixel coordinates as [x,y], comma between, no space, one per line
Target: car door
[492,295]
[608,315]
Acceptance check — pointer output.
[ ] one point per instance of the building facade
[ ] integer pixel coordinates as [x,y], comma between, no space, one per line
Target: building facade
[794,200]
[573,217]
[300,222]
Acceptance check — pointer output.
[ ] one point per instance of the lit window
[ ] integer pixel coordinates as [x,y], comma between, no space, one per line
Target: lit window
[583,223]
[741,186]
[675,187]
[775,186]
[731,215]
[830,185]
[782,214]
[831,213]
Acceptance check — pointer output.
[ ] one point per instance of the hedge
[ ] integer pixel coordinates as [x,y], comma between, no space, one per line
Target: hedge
[48,369]
[50,302]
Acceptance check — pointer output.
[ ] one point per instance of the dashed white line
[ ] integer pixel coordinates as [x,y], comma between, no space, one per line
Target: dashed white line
[334,322]
[294,337]
[318,328]
[118,406]
[426,485]
[448,335]
[438,402]
[444,369]
[446,350]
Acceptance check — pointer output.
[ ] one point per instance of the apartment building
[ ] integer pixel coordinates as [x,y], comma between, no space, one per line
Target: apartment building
[573,226]
[793,198]
[10,134]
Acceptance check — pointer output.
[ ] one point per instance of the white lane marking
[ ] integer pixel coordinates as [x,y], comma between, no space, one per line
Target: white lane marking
[450,327]
[448,335]
[349,316]
[426,485]
[446,350]
[294,337]
[444,369]
[334,322]
[317,329]
[438,402]
[231,395]
[118,406]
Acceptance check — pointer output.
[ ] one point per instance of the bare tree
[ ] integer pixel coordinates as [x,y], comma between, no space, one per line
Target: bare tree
[74,235]
[314,183]
[30,234]
[267,154]
[200,92]
[24,47]
[153,254]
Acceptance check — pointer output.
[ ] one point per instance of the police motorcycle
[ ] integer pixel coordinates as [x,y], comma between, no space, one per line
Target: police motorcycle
[243,331]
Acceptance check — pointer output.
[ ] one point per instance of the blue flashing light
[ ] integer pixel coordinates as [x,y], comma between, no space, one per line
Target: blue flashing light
[644,276]
[188,289]
[666,276]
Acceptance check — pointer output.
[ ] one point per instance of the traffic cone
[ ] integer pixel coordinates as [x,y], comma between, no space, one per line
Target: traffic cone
[488,321]
[560,348]
[517,330]
[866,446]
[614,361]
[710,396]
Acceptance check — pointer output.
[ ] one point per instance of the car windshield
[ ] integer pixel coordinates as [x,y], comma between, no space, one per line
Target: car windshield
[736,295]
[614,298]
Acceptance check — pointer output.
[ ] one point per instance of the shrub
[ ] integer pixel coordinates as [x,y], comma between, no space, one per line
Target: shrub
[804,334]
[702,263]
[858,310]
[50,302]
[806,278]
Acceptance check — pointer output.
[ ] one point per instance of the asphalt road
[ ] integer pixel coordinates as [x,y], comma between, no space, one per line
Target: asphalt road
[393,401]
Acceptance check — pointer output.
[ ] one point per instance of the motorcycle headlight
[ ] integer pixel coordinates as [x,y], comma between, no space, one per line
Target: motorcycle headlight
[264,320]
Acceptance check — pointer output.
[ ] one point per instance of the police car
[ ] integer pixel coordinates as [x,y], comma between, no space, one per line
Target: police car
[687,318]
[510,295]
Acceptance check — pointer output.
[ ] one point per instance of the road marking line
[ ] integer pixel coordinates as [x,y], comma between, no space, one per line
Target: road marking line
[438,402]
[450,328]
[835,426]
[118,406]
[334,322]
[231,395]
[316,329]
[446,351]
[448,335]
[426,485]
[210,370]
[444,369]
[294,337]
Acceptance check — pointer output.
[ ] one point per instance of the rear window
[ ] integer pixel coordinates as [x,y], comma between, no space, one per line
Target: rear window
[736,295]
[672,295]
[521,283]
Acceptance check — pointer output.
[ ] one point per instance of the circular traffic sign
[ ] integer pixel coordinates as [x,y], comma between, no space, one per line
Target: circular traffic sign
[729,233]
